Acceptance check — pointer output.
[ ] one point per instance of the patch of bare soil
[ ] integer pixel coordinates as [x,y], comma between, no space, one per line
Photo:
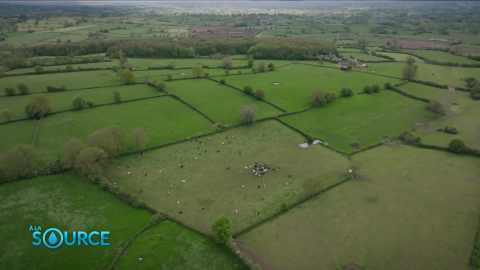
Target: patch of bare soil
[264,264]
[352,267]
[215,124]
[371,199]
[354,145]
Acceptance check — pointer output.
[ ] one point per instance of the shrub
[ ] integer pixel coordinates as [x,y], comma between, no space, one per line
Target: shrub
[227,72]
[407,136]
[10,91]
[254,71]
[346,92]
[284,206]
[62,87]
[248,89]
[207,74]
[222,81]
[476,96]
[79,103]
[418,140]
[38,69]
[161,85]
[262,67]
[90,104]
[169,77]
[452,130]
[456,146]
[317,97]
[70,68]
[52,88]
[388,86]
[271,66]
[376,88]
[310,138]
[368,89]
[259,94]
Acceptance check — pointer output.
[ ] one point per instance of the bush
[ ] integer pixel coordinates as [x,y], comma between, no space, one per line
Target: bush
[169,77]
[284,206]
[10,91]
[346,92]
[259,94]
[254,71]
[62,87]
[227,72]
[52,88]
[161,85]
[247,89]
[456,146]
[376,88]
[222,81]
[310,138]
[90,104]
[367,89]
[70,68]
[207,74]
[388,86]
[476,96]
[407,136]
[38,69]
[452,130]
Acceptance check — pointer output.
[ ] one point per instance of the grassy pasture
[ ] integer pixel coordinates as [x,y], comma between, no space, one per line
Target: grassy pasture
[163,119]
[30,38]
[218,101]
[144,63]
[71,37]
[361,118]
[16,133]
[401,57]
[73,80]
[63,100]
[169,245]
[444,74]
[298,81]
[393,69]
[157,75]
[444,57]
[211,185]
[68,203]
[425,217]
[463,115]
[86,65]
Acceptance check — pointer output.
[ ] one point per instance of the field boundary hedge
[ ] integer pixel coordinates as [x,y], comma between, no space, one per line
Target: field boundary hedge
[466,152]
[192,107]
[476,248]
[374,74]
[436,63]
[396,90]
[55,71]
[365,149]
[35,132]
[275,215]
[77,89]
[238,89]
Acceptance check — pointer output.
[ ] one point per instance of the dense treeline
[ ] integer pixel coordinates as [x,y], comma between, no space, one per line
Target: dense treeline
[189,48]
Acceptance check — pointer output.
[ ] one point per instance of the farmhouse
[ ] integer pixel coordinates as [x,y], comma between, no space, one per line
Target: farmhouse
[343,62]
[344,68]
[325,56]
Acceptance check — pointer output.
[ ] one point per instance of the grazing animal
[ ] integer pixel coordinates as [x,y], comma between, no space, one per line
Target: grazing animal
[168,193]
[171,185]
[118,167]
[289,175]
[264,185]
[186,158]
[129,173]
[145,174]
[115,183]
[263,198]
[208,138]
[141,190]
[223,142]
[205,151]
[218,151]
[200,141]
[236,211]
[195,158]
[246,167]
[286,184]
[159,170]
[191,165]
[164,160]
[178,202]
[239,154]
[173,155]
[226,137]
[128,167]
[196,140]
[143,154]
[181,166]
[243,186]
[257,214]
[180,212]
[258,186]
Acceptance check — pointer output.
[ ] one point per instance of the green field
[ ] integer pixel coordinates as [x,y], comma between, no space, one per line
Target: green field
[180,74]
[144,63]
[68,203]
[163,119]
[444,74]
[61,101]
[169,245]
[218,101]
[362,118]
[210,184]
[425,216]
[440,56]
[73,80]
[21,133]
[298,81]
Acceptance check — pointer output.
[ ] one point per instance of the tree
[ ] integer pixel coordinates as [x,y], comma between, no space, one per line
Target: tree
[7,114]
[346,92]
[367,89]
[259,94]
[79,103]
[409,60]
[127,77]
[10,91]
[407,136]
[207,74]
[222,81]
[355,167]
[38,106]
[262,67]
[320,61]
[90,163]
[145,78]
[90,104]
[169,77]
[435,107]
[330,97]
[456,146]
[161,85]
[239,71]
[376,88]
[221,230]
[117,98]
[248,114]
[22,89]
[475,92]
[112,140]
[408,72]
[254,70]
[18,162]
[250,62]
[312,186]
[388,86]
[317,97]
[271,66]
[69,68]
[227,72]
[38,69]
[197,71]
[247,89]
[71,149]
[139,138]
[226,63]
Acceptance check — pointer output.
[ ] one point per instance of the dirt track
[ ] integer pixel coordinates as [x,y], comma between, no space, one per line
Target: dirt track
[255,257]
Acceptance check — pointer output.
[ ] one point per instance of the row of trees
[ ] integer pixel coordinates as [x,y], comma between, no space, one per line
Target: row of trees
[297,48]
[22,90]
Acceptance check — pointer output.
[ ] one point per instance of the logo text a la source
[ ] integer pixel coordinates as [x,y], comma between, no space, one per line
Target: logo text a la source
[54,238]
